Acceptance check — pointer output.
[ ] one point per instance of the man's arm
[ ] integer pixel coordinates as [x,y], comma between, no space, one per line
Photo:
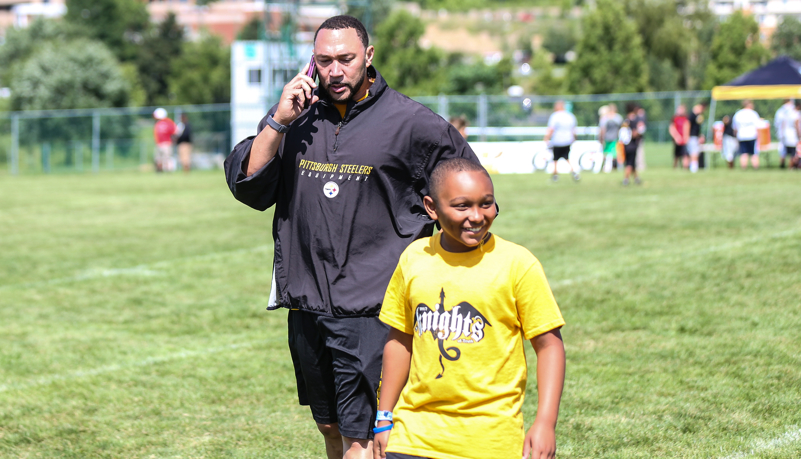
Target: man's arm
[289,108]
[395,373]
[548,134]
[674,133]
[253,154]
[540,440]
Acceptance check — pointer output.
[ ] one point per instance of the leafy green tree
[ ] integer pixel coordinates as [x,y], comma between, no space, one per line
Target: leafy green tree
[76,74]
[735,50]
[202,75]
[477,78]
[610,56]
[545,82]
[672,36]
[786,40]
[404,64]
[119,24]
[370,12]
[559,40]
[21,43]
[161,48]
[252,30]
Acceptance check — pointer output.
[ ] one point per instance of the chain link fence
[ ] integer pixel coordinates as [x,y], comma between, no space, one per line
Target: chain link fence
[60,141]
[98,140]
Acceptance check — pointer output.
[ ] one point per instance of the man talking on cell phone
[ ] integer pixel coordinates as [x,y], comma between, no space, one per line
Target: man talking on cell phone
[347,176]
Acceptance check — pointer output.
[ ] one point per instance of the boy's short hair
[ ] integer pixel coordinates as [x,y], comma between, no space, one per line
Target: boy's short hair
[450,166]
[344,22]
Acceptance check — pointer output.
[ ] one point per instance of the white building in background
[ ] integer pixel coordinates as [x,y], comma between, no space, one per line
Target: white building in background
[16,13]
[260,69]
[768,13]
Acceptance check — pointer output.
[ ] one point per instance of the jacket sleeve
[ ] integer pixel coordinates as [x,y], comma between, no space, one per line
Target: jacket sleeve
[260,190]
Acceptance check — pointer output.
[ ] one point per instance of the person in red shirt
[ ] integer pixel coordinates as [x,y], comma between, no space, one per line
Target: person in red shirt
[680,131]
[162,133]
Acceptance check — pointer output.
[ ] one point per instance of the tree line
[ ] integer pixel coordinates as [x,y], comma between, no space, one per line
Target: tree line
[107,53]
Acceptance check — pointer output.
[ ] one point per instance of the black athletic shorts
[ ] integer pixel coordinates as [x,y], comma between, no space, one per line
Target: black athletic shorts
[337,368]
[402,456]
[630,152]
[747,147]
[560,152]
[789,152]
[679,151]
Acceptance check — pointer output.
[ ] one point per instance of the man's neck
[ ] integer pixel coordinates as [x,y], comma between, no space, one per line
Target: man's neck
[362,90]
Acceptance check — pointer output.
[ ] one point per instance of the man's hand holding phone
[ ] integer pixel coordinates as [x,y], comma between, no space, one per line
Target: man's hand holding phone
[297,95]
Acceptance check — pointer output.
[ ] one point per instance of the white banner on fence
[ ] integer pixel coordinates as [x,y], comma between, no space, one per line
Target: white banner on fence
[532,156]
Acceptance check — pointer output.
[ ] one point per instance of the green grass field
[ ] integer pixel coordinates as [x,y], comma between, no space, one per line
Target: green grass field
[133,322]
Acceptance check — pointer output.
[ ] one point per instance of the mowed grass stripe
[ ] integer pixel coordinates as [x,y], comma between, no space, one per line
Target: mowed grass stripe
[146,270]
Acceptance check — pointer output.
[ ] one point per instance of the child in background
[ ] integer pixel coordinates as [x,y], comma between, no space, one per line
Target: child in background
[460,305]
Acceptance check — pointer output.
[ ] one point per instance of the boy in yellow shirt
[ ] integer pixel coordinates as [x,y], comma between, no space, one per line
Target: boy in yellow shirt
[460,305]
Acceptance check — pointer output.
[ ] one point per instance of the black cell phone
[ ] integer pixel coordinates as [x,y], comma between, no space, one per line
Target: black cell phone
[311,73]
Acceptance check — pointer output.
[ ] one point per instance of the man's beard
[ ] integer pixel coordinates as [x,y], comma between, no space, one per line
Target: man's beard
[326,94]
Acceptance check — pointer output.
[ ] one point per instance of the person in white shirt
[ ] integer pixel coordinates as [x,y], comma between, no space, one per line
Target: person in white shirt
[785,122]
[560,135]
[778,121]
[745,124]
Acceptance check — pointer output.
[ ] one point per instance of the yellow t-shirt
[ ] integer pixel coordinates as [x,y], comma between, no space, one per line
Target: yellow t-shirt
[469,314]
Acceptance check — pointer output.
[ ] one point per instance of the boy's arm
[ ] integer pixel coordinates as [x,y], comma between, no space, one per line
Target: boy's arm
[540,440]
[395,373]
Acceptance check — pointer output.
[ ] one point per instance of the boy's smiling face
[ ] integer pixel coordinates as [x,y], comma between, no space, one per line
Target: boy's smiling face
[464,208]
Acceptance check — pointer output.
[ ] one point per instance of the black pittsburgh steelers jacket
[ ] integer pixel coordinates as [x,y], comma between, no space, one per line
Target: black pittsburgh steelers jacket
[348,196]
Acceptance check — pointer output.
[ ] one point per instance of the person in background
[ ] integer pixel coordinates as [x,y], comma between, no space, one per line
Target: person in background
[460,123]
[778,124]
[183,139]
[561,133]
[163,131]
[746,128]
[680,132]
[609,129]
[789,133]
[696,139]
[642,119]
[729,143]
[631,136]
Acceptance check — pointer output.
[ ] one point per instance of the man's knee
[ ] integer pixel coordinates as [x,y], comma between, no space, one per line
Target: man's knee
[329,431]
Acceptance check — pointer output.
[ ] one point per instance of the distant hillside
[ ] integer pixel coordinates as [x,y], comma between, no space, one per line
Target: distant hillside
[466,5]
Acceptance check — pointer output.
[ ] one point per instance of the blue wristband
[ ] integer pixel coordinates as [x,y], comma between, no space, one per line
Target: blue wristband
[383,429]
[383,416]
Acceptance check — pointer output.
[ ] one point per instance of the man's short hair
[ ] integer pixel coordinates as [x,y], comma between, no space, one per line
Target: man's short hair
[344,22]
[631,107]
[450,166]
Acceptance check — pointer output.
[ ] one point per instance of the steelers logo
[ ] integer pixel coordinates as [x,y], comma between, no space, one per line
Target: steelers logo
[331,189]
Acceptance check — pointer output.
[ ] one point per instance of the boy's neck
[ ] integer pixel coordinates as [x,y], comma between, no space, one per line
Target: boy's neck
[461,247]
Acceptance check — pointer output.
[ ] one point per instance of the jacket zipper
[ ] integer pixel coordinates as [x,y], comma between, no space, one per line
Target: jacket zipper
[336,136]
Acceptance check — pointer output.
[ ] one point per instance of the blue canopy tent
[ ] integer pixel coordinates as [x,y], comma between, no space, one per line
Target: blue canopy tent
[778,79]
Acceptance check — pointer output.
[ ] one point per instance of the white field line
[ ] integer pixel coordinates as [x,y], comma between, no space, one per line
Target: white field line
[144,270]
[677,257]
[45,380]
[759,446]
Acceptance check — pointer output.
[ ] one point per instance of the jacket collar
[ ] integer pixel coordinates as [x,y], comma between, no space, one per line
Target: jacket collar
[378,87]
